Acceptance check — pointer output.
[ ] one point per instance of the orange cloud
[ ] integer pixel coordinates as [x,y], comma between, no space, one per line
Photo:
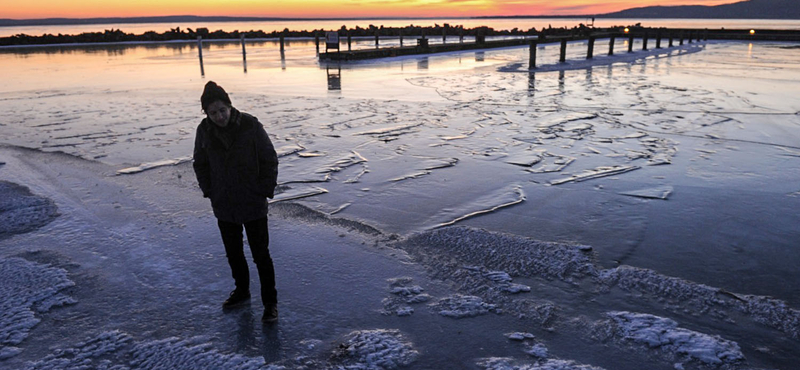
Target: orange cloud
[326,8]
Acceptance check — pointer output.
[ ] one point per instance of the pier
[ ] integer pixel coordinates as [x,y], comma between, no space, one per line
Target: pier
[657,35]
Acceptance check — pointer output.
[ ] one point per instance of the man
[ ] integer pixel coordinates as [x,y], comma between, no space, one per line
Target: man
[237,168]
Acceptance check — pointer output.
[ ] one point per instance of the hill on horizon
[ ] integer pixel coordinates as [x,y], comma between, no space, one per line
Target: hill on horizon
[749,9]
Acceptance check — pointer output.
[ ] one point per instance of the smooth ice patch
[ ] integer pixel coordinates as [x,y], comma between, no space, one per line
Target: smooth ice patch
[24,287]
[375,350]
[663,333]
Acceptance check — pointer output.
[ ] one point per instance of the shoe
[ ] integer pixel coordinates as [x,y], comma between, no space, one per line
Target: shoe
[237,298]
[270,313]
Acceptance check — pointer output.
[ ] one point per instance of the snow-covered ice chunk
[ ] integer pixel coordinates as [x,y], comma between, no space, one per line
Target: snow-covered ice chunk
[514,288]
[461,306]
[25,286]
[375,350]
[520,336]
[404,294]
[537,350]
[664,333]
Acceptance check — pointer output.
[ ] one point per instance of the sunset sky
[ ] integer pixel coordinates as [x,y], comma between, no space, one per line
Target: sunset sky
[323,8]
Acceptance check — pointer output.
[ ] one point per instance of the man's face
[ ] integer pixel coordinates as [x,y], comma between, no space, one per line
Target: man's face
[219,113]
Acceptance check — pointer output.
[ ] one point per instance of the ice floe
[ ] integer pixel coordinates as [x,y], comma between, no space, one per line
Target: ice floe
[297,193]
[27,288]
[149,166]
[595,173]
[520,197]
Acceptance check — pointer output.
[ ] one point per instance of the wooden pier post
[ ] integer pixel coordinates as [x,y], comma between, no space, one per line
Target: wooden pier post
[590,51]
[658,39]
[563,57]
[705,35]
[282,42]
[461,35]
[611,45]
[349,41]
[316,41]
[444,34]
[644,41]
[244,54]
[630,43]
[200,54]
[681,37]
[532,62]
[670,38]
[690,36]
[376,39]
[401,37]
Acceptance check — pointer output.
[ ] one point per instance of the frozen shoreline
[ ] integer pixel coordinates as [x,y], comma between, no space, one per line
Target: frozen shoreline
[682,167]
[141,274]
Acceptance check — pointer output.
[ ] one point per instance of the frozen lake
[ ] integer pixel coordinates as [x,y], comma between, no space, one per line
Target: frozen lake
[437,211]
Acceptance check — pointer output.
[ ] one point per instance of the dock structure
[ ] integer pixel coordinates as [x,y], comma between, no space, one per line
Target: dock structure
[423,46]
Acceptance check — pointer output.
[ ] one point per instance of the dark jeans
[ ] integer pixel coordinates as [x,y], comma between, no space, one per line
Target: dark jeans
[258,238]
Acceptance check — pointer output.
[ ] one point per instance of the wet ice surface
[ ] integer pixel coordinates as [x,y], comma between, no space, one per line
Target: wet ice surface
[649,199]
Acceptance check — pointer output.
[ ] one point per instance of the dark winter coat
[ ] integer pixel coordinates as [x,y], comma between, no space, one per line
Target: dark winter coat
[236,167]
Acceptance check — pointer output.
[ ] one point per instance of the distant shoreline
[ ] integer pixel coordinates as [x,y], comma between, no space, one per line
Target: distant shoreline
[187,19]
[194,19]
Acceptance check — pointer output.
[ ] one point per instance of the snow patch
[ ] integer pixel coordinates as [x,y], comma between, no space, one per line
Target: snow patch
[663,333]
[461,306]
[194,353]
[84,354]
[404,295]
[26,286]
[21,211]
[375,350]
